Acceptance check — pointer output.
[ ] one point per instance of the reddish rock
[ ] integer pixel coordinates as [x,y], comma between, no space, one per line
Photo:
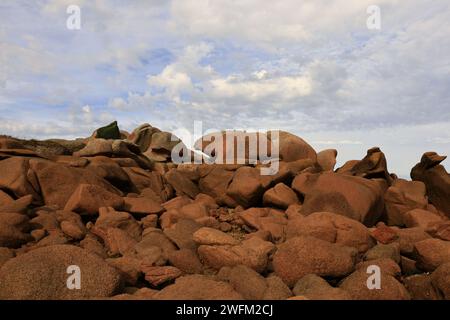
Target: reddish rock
[5,255]
[92,244]
[302,255]
[159,275]
[14,176]
[181,184]
[247,187]
[253,253]
[276,289]
[315,288]
[142,179]
[391,289]
[206,200]
[109,170]
[266,219]
[420,287]
[402,197]
[280,196]
[210,236]
[109,218]
[186,260]
[88,198]
[176,203]
[250,284]
[58,182]
[13,230]
[384,234]
[17,206]
[117,241]
[408,266]
[5,198]
[198,287]
[142,205]
[45,220]
[291,147]
[440,280]
[440,230]
[142,136]
[431,253]
[54,237]
[193,211]
[408,237]
[73,230]
[333,228]
[357,198]
[214,181]
[154,238]
[421,218]
[150,220]
[436,179]
[326,159]
[128,267]
[372,166]
[181,233]
[384,251]
[22,277]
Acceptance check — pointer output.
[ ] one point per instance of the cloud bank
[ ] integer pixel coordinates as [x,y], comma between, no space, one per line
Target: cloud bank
[310,67]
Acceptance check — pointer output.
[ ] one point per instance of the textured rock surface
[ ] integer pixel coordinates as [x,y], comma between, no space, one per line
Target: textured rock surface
[141,226]
[42,274]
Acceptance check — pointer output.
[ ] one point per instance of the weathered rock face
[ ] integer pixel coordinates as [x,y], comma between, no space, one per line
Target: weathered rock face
[316,288]
[234,147]
[13,230]
[280,196]
[431,253]
[403,196]
[326,159]
[303,255]
[440,280]
[355,197]
[141,226]
[333,228]
[198,287]
[266,219]
[373,165]
[42,274]
[142,136]
[436,179]
[253,253]
[88,198]
[247,187]
[391,288]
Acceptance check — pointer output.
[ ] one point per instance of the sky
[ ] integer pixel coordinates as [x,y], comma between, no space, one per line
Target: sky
[310,67]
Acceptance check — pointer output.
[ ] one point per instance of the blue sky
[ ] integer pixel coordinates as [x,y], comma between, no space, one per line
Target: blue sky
[309,67]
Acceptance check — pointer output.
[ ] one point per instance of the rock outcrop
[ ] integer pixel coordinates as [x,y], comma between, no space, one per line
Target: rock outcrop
[137,224]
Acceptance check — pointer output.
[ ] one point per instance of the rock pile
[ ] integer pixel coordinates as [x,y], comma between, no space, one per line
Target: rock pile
[112,216]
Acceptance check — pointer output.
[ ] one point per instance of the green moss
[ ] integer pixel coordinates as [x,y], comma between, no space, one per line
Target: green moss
[111,131]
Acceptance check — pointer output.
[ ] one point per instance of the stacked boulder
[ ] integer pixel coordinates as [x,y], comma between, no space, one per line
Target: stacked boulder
[116,210]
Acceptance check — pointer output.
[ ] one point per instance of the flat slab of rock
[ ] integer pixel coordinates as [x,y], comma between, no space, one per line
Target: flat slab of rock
[88,198]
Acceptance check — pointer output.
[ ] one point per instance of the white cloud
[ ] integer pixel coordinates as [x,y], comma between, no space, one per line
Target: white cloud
[310,67]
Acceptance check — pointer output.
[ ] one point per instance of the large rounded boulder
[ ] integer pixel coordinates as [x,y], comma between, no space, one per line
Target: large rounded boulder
[44,274]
